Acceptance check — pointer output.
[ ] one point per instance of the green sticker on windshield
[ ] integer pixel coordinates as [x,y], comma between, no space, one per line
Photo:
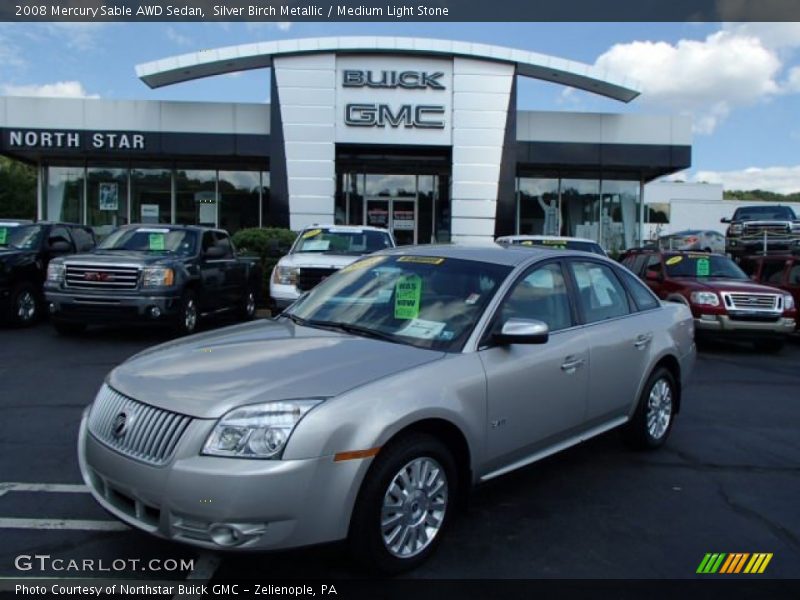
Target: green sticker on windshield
[406,298]
[3,234]
[703,267]
[156,241]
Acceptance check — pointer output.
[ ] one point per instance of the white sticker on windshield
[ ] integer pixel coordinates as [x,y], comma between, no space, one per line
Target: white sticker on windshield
[422,329]
[151,230]
[315,245]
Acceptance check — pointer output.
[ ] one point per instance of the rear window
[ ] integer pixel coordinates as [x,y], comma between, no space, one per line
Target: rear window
[563,245]
[343,240]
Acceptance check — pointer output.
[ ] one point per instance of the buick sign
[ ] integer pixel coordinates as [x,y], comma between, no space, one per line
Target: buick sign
[410,80]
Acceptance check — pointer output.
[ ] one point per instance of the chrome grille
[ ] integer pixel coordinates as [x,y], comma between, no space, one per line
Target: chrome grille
[145,432]
[768,228]
[745,301]
[101,277]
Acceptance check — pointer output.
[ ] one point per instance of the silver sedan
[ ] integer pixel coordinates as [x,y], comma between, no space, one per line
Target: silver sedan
[702,240]
[370,406]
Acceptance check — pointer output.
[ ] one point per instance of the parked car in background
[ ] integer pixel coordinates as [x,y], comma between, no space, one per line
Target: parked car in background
[317,253]
[779,271]
[724,301]
[368,409]
[553,242]
[762,229]
[160,274]
[701,240]
[26,249]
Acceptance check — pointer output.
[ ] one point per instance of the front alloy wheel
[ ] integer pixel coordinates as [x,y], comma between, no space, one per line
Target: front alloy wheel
[24,305]
[652,421]
[659,409]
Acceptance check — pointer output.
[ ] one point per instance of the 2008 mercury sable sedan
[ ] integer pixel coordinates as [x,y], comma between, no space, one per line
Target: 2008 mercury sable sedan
[372,404]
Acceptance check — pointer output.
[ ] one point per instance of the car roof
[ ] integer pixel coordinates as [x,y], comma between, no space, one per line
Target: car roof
[345,227]
[490,253]
[171,226]
[547,238]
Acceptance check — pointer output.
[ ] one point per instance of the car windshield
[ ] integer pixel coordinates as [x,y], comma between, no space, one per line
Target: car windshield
[342,241]
[562,245]
[21,237]
[761,213]
[699,266]
[424,301]
[151,239]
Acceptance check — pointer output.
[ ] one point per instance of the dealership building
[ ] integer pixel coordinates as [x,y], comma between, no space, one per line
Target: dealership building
[422,136]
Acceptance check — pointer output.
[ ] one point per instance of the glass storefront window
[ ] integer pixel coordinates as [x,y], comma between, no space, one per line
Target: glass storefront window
[265,194]
[580,208]
[426,199]
[537,207]
[395,186]
[107,199]
[620,216]
[238,199]
[64,194]
[151,195]
[354,198]
[196,197]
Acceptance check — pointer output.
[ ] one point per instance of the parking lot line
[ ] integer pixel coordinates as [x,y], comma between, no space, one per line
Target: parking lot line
[67,488]
[76,524]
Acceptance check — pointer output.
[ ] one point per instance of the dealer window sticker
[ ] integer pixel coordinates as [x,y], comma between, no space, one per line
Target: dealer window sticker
[423,329]
[674,260]
[3,235]
[703,268]
[156,241]
[408,291]
[316,245]
[422,260]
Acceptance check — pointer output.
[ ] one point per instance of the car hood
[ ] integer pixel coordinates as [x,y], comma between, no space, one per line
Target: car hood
[318,260]
[727,285]
[207,375]
[114,257]
[11,254]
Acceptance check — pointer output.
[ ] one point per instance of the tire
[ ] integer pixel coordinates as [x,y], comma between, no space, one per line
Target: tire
[655,413]
[247,310]
[67,328]
[410,457]
[25,306]
[769,346]
[188,315]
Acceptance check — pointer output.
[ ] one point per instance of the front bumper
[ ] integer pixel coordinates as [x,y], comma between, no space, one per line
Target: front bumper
[194,499]
[743,246]
[102,308]
[282,296]
[728,326]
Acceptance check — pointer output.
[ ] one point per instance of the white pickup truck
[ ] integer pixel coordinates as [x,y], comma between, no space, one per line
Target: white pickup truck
[318,252]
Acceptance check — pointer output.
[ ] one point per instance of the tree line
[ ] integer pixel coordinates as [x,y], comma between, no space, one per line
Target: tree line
[760,195]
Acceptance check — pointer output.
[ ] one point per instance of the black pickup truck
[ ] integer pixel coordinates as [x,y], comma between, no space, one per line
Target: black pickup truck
[26,249]
[160,274]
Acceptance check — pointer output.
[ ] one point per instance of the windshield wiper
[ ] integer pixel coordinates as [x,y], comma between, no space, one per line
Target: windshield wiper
[346,327]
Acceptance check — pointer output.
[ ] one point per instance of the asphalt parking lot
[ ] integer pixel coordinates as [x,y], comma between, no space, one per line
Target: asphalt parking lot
[727,481]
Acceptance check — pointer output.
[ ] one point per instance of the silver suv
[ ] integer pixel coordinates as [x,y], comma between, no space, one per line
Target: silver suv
[376,401]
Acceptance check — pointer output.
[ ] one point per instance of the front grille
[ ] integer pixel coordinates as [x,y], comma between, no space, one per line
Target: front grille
[101,277]
[745,301]
[148,433]
[769,229]
[308,278]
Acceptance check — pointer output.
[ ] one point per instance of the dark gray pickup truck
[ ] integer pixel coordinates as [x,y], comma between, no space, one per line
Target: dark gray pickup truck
[161,274]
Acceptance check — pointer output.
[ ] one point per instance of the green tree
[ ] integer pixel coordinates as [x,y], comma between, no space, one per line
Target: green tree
[17,190]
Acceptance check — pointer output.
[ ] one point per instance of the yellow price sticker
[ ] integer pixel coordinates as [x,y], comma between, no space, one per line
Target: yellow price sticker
[422,260]
[311,233]
[674,260]
[364,264]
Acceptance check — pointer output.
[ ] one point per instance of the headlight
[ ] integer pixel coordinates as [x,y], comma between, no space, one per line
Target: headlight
[788,302]
[285,275]
[704,298]
[157,277]
[735,229]
[258,430]
[55,272]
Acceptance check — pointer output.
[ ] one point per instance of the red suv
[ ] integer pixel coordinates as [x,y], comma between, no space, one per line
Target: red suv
[778,271]
[723,300]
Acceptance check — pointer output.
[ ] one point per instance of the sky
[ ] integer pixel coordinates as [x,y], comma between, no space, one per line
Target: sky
[740,82]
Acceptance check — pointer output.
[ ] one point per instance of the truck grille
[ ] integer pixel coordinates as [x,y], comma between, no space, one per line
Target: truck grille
[745,301]
[137,430]
[101,277]
[309,278]
[769,229]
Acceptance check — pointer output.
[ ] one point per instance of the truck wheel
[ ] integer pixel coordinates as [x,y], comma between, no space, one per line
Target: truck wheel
[651,423]
[769,346]
[188,315]
[404,504]
[24,305]
[67,328]
[247,311]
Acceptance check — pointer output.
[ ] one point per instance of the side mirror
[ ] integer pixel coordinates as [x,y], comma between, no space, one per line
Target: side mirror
[59,245]
[724,220]
[214,252]
[522,331]
[652,276]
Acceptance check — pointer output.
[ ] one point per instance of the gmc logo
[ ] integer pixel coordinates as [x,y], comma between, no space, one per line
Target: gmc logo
[410,80]
[422,116]
[98,277]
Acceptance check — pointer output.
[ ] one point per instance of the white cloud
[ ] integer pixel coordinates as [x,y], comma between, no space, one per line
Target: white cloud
[181,40]
[77,35]
[705,78]
[60,89]
[792,84]
[283,25]
[771,35]
[784,180]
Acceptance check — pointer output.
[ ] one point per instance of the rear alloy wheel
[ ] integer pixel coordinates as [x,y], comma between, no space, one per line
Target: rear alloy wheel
[404,504]
[652,421]
[188,315]
[248,310]
[24,305]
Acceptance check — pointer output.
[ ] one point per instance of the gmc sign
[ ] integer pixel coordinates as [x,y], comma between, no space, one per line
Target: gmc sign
[422,116]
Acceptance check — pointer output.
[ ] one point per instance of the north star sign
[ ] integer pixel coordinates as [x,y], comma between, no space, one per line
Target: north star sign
[98,140]
[420,116]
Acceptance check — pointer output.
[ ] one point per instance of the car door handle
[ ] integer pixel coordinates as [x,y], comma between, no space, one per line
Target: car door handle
[571,364]
[643,340]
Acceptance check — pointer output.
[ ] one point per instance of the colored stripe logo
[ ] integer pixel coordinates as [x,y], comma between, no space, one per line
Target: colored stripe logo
[734,563]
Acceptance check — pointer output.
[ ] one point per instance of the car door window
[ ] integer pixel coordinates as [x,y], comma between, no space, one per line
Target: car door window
[224,242]
[794,275]
[84,240]
[61,234]
[641,294]
[540,295]
[654,265]
[600,293]
[208,241]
